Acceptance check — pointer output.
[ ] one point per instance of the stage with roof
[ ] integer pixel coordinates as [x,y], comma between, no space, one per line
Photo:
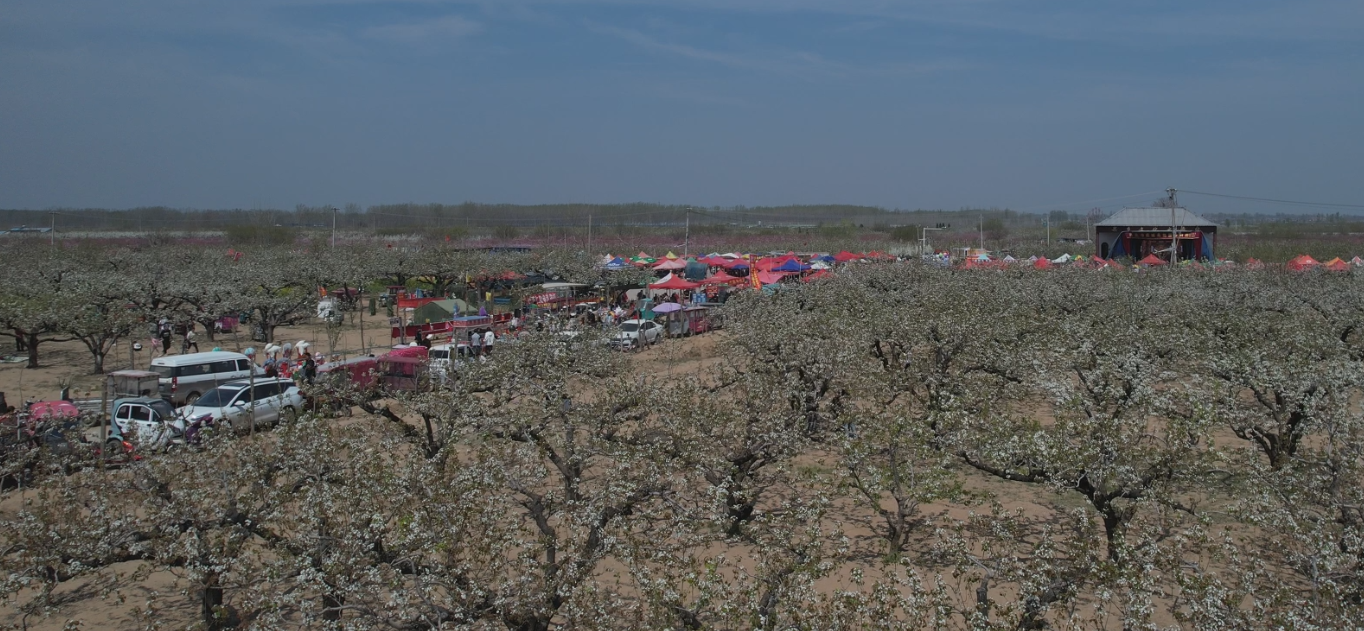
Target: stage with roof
[1138,232]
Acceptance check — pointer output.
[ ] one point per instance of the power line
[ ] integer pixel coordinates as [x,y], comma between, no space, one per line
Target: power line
[1086,202]
[1275,201]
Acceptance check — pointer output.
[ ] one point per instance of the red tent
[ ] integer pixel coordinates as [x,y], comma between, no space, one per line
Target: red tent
[1152,259]
[671,264]
[822,273]
[673,282]
[767,278]
[1302,262]
[845,256]
[1042,263]
[1254,263]
[719,279]
[1337,265]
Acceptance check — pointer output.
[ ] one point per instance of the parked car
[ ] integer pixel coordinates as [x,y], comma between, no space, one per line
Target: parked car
[185,378]
[144,419]
[239,404]
[636,334]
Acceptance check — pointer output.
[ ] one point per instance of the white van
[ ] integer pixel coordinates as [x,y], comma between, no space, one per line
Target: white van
[444,358]
[185,377]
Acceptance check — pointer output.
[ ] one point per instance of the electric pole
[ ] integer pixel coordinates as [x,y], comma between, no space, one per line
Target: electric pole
[686,242]
[1174,228]
[334,211]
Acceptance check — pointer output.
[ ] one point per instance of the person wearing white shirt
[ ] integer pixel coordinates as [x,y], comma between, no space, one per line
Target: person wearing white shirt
[475,343]
[488,338]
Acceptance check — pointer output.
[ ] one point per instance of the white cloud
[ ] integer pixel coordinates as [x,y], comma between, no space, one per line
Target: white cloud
[446,28]
[795,63]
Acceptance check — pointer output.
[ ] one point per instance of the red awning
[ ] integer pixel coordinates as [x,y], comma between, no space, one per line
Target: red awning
[767,278]
[674,282]
[719,279]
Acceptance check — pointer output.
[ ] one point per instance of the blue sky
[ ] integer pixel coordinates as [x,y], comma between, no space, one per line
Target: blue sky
[1029,105]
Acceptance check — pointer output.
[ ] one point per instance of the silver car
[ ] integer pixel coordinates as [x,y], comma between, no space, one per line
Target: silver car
[637,333]
[241,403]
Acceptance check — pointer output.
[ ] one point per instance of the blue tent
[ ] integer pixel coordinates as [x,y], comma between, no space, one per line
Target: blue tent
[791,265]
[616,263]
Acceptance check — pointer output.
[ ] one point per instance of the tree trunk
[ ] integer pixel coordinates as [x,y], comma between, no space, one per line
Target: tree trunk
[1113,531]
[896,535]
[208,329]
[331,606]
[211,604]
[31,345]
[99,361]
[741,509]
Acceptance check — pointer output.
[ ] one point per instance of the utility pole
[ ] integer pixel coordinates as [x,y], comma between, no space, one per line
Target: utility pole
[334,211]
[52,232]
[1047,221]
[106,419]
[1174,229]
[686,243]
[589,235]
[982,232]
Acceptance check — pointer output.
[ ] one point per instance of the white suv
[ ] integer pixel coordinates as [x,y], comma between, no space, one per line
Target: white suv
[637,333]
[238,402]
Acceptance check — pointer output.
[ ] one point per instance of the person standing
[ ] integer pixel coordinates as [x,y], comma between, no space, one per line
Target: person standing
[190,342]
[309,370]
[165,340]
[476,342]
[488,338]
